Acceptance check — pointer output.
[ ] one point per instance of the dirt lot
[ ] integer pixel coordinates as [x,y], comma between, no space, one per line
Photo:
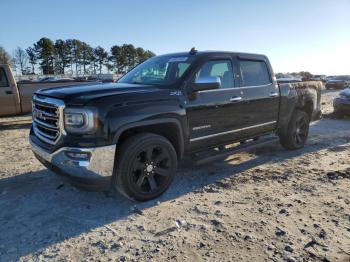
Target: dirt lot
[265,205]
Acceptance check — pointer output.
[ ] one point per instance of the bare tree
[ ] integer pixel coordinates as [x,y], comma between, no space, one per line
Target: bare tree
[21,59]
[32,57]
[5,58]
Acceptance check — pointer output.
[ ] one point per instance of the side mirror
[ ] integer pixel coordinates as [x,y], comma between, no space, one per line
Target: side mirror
[207,83]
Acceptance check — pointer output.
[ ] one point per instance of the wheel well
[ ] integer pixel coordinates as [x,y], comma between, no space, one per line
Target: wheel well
[168,130]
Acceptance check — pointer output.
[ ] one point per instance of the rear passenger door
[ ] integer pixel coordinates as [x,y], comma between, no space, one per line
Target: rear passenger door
[261,97]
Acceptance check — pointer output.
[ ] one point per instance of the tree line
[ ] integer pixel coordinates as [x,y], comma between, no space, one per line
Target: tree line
[73,56]
[304,75]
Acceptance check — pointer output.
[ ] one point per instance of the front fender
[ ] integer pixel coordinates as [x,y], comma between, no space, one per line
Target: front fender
[146,115]
[146,124]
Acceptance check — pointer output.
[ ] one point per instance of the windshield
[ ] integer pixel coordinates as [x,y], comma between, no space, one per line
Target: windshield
[162,70]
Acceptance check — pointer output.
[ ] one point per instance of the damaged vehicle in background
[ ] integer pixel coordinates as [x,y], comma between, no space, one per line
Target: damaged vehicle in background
[288,79]
[341,103]
[319,78]
[338,82]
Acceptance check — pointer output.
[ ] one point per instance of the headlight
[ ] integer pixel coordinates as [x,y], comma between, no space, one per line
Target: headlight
[79,120]
[75,119]
[344,97]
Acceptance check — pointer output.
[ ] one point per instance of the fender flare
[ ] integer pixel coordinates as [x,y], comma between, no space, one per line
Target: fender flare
[145,123]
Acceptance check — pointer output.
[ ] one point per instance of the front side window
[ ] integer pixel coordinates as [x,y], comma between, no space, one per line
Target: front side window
[162,70]
[3,79]
[219,68]
[254,73]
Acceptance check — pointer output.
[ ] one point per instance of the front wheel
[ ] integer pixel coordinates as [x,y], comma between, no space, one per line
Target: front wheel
[298,130]
[145,167]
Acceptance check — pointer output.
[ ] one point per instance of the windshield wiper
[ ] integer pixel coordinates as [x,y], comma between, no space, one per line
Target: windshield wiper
[142,83]
[139,83]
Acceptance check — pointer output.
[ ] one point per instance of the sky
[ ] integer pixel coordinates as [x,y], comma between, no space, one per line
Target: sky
[297,35]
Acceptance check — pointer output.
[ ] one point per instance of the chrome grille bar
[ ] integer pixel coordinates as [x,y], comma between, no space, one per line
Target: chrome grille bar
[46,124]
[47,119]
[45,132]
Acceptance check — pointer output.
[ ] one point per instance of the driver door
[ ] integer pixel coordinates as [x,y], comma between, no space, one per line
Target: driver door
[214,115]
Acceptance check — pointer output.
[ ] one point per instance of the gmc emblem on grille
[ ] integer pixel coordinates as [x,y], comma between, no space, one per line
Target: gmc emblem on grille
[39,114]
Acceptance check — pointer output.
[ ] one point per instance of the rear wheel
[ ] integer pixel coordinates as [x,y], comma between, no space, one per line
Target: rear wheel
[298,130]
[145,167]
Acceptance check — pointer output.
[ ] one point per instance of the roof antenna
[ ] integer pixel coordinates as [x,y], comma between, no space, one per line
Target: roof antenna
[193,51]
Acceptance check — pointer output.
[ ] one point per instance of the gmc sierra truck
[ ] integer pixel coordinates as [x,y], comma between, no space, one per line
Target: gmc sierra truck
[16,99]
[134,133]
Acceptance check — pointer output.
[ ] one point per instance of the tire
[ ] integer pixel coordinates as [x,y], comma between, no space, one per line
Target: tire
[338,115]
[145,167]
[298,130]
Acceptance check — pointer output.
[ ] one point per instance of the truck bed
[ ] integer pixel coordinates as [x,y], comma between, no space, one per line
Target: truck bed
[308,89]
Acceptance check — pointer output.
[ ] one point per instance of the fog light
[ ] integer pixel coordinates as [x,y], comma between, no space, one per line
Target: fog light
[78,155]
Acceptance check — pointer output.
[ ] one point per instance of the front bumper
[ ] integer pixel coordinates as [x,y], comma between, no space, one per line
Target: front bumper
[335,86]
[341,106]
[91,163]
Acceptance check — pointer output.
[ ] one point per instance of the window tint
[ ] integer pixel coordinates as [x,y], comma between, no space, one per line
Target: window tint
[182,68]
[220,68]
[3,78]
[161,70]
[254,73]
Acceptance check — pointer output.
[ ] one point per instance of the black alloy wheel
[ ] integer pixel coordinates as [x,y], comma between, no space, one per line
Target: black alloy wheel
[297,132]
[145,166]
[150,169]
[301,131]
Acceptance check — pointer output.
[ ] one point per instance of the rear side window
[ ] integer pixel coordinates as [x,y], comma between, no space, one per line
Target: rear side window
[254,73]
[3,78]
[220,68]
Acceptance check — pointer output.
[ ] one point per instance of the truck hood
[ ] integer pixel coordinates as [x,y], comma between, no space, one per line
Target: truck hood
[82,94]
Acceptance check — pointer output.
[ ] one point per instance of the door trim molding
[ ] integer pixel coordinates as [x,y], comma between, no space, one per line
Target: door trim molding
[231,131]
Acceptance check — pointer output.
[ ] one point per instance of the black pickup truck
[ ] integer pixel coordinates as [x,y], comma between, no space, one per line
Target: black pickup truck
[134,132]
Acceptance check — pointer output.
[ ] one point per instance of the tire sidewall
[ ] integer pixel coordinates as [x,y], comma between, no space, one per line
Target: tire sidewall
[123,180]
[293,128]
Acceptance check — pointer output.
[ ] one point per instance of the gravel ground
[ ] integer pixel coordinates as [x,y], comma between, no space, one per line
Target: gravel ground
[268,204]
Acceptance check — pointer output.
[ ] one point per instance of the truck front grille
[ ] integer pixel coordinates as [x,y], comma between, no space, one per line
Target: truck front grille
[47,119]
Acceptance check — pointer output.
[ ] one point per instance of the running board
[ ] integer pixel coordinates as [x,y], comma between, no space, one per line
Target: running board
[246,146]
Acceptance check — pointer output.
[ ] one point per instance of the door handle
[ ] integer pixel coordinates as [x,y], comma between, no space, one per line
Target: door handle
[235,99]
[8,92]
[273,94]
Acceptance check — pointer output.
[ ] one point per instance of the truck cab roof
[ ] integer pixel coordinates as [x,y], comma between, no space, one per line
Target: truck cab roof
[219,53]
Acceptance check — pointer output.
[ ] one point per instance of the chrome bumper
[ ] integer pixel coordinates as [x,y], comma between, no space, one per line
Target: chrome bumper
[93,162]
